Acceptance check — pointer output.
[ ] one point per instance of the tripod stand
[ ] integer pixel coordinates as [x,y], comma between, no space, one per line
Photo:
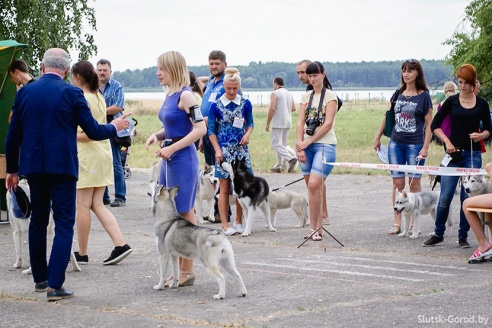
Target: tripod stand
[322,192]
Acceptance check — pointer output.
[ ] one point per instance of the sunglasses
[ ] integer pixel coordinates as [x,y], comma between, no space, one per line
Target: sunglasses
[411,61]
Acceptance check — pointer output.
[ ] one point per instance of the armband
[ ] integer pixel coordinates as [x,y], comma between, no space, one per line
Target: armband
[195,114]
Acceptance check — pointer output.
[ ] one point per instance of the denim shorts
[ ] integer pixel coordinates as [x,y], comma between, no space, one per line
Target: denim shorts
[314,158]
[404,154]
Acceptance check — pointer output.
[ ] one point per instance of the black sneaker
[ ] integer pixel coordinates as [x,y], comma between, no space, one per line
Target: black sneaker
[107,201]
[117,203]
[81,259]
[463,243]
[58,294]
[40,287]
[432,241]
[118,254]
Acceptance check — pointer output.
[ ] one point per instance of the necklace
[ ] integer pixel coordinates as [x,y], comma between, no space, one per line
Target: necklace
[410,96]
[466,102]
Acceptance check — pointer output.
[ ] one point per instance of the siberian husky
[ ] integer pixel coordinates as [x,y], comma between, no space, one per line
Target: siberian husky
[414,205]
[251,191]
[178,237]
[20,230]
[288,199]
[207,188]
[476,185]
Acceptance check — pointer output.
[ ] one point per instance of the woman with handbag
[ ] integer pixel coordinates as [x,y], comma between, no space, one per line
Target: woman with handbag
[463,146]
[411,134]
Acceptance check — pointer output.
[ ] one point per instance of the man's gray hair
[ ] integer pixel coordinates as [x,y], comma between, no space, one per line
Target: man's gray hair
[56,58]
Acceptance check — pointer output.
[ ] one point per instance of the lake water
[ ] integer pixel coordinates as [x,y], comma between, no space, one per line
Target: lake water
[263,97]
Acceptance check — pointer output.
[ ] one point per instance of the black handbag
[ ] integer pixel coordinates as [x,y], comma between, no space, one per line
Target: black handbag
[390,115]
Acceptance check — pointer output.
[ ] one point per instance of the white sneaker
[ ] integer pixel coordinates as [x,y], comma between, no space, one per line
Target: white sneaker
[239,228]
[229,232]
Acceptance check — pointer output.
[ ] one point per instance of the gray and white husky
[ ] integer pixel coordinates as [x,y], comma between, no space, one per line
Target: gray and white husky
[177,237]
[252,192]
[414,205]
[476,185]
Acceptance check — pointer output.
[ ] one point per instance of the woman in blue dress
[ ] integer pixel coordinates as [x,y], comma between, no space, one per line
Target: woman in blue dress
[230,124]
[182,125]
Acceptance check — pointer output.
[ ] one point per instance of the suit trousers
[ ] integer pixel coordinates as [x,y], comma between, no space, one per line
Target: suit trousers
[56,192]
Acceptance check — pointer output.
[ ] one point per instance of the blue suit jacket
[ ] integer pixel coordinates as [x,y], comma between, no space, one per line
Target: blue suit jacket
[42,136]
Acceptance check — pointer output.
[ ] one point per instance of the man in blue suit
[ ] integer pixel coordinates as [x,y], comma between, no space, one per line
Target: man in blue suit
[41,145]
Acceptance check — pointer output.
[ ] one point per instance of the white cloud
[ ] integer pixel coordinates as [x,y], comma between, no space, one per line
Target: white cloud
[132,34]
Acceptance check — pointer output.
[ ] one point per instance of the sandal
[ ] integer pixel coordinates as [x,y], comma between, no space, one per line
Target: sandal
[310,234]
[188,280]
[395,230]
[478,255]
[317,237]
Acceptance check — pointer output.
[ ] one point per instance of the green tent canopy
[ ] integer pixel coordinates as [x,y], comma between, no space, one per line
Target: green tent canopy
[9,50]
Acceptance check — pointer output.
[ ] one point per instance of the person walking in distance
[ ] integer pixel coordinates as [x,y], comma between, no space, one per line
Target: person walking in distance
[49,161]
[115,102]
[280,115]
[301,74]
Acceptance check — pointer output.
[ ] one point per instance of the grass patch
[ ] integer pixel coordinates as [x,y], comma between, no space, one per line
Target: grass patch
[355,127]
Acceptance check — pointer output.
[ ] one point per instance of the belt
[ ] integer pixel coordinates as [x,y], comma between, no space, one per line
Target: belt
[170,141]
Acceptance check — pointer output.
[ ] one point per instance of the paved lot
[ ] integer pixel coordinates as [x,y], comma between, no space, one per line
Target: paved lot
[376,280]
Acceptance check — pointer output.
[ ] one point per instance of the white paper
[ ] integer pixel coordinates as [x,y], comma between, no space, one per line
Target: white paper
[383,153]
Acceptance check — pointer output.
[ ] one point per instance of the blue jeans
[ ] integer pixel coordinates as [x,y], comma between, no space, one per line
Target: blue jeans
[448,186]
[119,176]
[404,154]
[314,159]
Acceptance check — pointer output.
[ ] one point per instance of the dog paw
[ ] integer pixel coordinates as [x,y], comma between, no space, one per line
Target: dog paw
[158,287]
[273,229]
[219,297]
[27,271]
[246,234]
[414,236]
[402,234]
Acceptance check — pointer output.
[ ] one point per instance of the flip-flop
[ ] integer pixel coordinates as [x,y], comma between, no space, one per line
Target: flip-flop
[480,255]
[317,237]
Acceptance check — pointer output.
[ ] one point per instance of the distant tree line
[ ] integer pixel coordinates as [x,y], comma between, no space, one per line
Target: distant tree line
[259,75]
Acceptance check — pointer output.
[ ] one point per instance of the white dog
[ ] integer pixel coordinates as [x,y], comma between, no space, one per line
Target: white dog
[20,230]
[207,188]
[288,199]
[414,205]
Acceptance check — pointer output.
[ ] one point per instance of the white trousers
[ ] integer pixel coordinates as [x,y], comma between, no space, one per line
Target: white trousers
[279,138]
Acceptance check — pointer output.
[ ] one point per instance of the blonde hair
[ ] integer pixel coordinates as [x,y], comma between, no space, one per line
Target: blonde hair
[174,64]
[232,74]
[450,88]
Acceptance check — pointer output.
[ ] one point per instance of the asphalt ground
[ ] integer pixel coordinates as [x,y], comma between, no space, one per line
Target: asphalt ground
[376,280]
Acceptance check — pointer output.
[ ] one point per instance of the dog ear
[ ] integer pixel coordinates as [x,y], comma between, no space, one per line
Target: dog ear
[173,191]
[404,193]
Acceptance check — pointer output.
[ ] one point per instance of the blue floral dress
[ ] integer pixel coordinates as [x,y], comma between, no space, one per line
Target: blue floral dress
[224,121]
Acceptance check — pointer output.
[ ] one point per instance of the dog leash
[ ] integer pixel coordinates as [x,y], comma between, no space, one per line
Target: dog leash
[288,184]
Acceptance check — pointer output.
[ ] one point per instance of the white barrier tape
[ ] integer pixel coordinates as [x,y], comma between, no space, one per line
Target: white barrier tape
[433,170]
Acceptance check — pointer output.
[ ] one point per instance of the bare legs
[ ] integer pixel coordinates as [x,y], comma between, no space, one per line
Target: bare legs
[92,199]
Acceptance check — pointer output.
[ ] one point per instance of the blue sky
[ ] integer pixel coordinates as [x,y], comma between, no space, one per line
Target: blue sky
[132,34]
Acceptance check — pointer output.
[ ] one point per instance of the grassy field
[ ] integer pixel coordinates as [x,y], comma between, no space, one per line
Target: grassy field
[356,125]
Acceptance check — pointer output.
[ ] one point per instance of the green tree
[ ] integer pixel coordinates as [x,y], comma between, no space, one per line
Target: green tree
[472,43]
[43,24]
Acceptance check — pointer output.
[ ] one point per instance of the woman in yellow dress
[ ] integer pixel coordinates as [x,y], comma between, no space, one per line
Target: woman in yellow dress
[95,172]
